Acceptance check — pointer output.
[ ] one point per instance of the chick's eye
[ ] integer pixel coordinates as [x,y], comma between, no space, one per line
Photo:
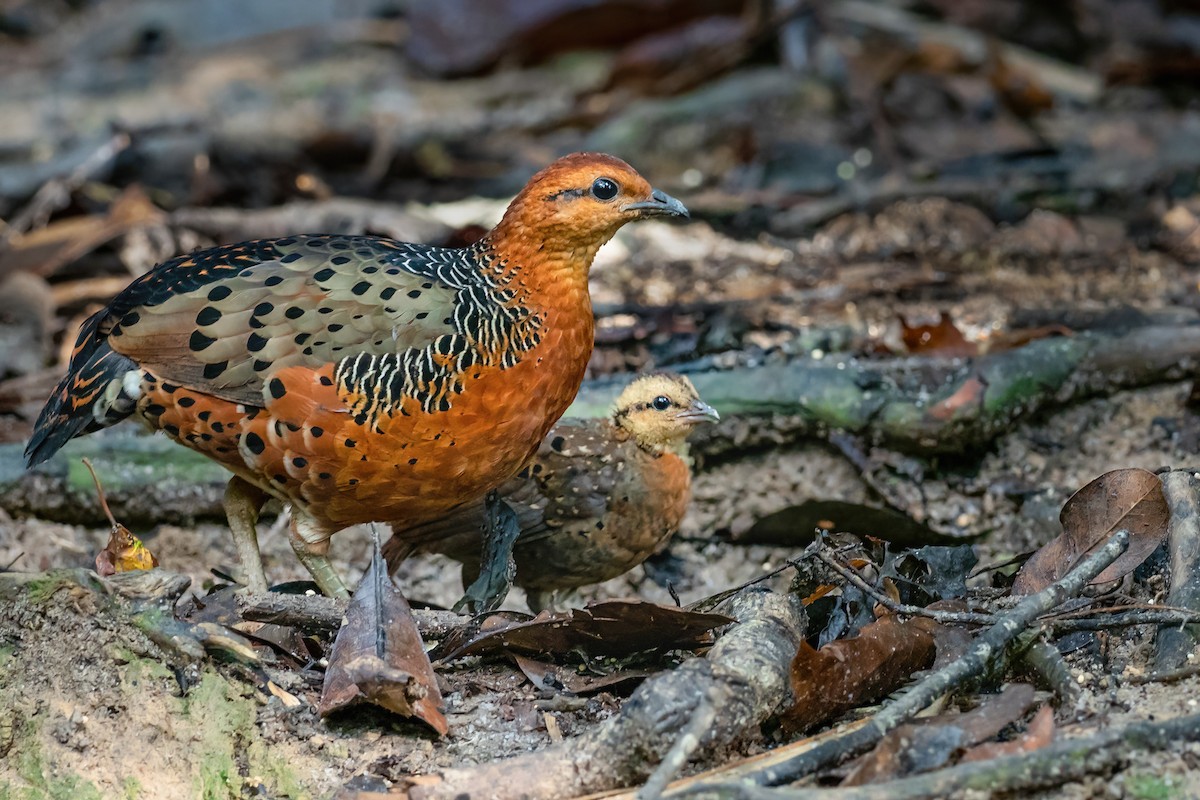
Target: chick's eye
[604,189]
[662,402]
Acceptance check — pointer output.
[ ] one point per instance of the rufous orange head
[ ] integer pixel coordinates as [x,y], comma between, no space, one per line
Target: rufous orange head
[578,202]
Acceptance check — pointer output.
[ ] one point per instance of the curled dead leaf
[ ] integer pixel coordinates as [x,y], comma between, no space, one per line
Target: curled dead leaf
[1130,499]
[378,656]
[849,672]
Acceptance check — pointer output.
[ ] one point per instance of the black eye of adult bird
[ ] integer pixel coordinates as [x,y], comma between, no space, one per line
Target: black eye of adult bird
[604,189]
[662,402]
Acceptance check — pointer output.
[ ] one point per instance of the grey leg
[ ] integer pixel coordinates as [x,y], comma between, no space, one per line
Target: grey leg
[243,502]
[311,545]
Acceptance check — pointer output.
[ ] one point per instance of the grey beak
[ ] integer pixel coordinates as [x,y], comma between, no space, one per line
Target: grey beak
[659,204]
[699,412]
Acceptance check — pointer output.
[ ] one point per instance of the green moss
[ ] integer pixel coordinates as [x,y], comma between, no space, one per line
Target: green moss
[41,589]
[132,788]
[226,727]
[40,783]
[1144,786]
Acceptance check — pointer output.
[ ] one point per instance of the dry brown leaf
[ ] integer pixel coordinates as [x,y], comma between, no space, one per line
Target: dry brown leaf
[1125,498]
[608,628]
[940,339]
[932,743]
[557,678]
[378,656]
[124,551]
[851,672]
[1039,734]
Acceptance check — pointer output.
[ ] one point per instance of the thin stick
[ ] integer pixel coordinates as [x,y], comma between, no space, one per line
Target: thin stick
[55,192]
[986,647]
[675,759]
[1054,765]
[87,462]
[959,617]
[1165,616]
[1183,673]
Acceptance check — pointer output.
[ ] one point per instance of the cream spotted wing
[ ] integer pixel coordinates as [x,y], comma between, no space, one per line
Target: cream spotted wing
[222,320]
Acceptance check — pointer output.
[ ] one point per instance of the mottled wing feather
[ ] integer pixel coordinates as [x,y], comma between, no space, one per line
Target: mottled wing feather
[566,486]
[300,301]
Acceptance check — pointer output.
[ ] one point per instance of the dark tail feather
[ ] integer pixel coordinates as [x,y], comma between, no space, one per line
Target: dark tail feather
[90,396]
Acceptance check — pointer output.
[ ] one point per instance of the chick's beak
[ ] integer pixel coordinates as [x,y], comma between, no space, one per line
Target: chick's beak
[699,412]
[660,204]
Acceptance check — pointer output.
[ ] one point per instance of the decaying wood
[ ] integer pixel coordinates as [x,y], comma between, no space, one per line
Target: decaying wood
[744,677]
[986,647]
[1176,642]
[318,614]
[925,406]
[1054,765]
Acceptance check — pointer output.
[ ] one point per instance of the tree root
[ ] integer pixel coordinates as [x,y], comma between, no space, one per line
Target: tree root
[987,646]
[744,680]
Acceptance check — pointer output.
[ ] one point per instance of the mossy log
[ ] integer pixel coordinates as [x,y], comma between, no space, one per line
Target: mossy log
[917,405]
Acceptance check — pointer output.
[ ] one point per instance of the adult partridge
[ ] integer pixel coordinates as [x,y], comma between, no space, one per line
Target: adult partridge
[359,378]
[600,497]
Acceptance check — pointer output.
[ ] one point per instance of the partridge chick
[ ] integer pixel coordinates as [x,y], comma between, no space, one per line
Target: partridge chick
[600,497]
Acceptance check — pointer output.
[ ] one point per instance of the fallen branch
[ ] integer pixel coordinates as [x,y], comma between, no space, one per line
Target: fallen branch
[744,678]
[922,405]
[1175,643]
[988,645]
[915,405]
[322,615]
[1053,765]
[55,193]
[1177,617]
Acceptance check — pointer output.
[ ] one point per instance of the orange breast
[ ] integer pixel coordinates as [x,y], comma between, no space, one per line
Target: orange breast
[305,446]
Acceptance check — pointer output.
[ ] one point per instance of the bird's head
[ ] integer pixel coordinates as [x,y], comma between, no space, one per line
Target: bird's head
[576,204]
[661,410]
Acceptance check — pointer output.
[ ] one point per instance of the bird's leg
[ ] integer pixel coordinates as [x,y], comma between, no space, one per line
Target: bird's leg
[311,545]
[497,567]
[243,501]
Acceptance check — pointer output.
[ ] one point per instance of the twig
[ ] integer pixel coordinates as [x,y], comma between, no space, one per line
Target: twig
[675,759]
[87,462]
[320,614]
[1165,616]
[986,646]
[1183,673]
[1182,491]
[1054,765]
[1044,660]
[956,617]
[55,193]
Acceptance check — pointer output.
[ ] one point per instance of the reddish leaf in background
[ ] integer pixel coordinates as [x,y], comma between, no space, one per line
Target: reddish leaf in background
[850,672]
[969,394]
[941,339]
[1125,498]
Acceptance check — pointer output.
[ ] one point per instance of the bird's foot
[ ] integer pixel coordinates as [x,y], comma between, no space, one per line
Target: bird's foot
[497,567]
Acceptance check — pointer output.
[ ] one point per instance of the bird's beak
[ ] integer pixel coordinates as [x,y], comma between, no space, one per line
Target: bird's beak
[660,204]
[699,412]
